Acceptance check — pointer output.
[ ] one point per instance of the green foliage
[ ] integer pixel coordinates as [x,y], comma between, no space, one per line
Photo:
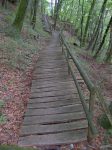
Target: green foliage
[1,103]
[2,117]
[39,27]
[110,107]
[85,18]
[6,147]
[104,121]
[17,49]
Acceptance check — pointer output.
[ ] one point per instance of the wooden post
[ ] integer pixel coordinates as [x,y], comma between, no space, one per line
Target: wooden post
[62,49]
[91,110]
[68,62]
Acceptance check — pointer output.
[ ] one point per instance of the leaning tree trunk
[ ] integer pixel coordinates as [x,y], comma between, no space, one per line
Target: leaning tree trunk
[20,15]
[104,37]
[96,34]
[109,52]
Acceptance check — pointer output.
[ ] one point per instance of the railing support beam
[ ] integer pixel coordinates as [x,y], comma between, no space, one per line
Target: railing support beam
[91,111]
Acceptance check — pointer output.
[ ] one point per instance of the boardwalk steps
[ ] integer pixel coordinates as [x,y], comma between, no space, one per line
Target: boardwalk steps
[54,114]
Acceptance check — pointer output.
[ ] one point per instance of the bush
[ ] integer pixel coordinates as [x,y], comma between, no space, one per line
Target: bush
[2,117]
[104,121]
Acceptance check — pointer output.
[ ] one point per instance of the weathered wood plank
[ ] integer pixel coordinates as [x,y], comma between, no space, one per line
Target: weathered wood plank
[57,110]
[50,119]
[54,75]
[55,99]
[51,79]
[52,83]
[52,94]
[53,128]
[49,89]
[54,139]
[40,71]
[51,104]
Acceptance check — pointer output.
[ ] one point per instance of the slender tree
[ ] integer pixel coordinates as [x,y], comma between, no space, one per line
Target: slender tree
[88,20]
[20,15]
[96,33]
[109,51]
[52,12]
[104,37]
[57,9]
[4,3]
[35,6]
[82,21]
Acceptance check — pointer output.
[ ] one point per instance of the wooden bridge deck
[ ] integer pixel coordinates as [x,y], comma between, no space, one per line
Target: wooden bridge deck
[54,115]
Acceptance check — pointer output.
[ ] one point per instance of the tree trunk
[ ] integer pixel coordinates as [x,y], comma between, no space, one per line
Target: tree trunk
[104,37]
[18,22]
[82,21]
[109,52]
[4,3]
[52,12]
[34,13]
[58,7]
[96,34]
[88,20]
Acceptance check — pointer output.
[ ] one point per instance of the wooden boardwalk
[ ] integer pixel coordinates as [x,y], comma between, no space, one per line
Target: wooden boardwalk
[54,113]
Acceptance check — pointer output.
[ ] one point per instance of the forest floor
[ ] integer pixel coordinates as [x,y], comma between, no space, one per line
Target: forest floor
[17,61]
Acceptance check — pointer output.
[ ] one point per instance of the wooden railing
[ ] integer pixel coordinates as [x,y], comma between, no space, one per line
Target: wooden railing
[94,90]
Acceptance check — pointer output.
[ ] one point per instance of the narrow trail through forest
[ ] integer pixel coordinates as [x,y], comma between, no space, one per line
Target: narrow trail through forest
[54,113]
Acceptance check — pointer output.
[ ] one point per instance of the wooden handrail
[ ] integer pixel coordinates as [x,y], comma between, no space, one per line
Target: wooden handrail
[94,90]
[86,79]
[93,129]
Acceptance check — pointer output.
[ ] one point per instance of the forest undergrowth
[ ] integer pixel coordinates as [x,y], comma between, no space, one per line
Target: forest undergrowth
[101,75]
[18,57]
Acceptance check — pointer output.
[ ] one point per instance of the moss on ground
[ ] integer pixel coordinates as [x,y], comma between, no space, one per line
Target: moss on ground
[17,51]
[6,147]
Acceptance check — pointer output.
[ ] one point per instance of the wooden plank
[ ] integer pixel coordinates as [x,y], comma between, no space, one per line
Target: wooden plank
[52,85]
[53,74]
[51,67]
[51,79]
[48,70]
[54,139]
[55,99]
[48,89]
[46,61]
[53,70]
[52,94]
[53,128]
[51,111]
[68,96]
[50,104]
[53,119]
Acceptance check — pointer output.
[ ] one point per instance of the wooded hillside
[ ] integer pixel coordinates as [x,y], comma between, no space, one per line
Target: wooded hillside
[35,80]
